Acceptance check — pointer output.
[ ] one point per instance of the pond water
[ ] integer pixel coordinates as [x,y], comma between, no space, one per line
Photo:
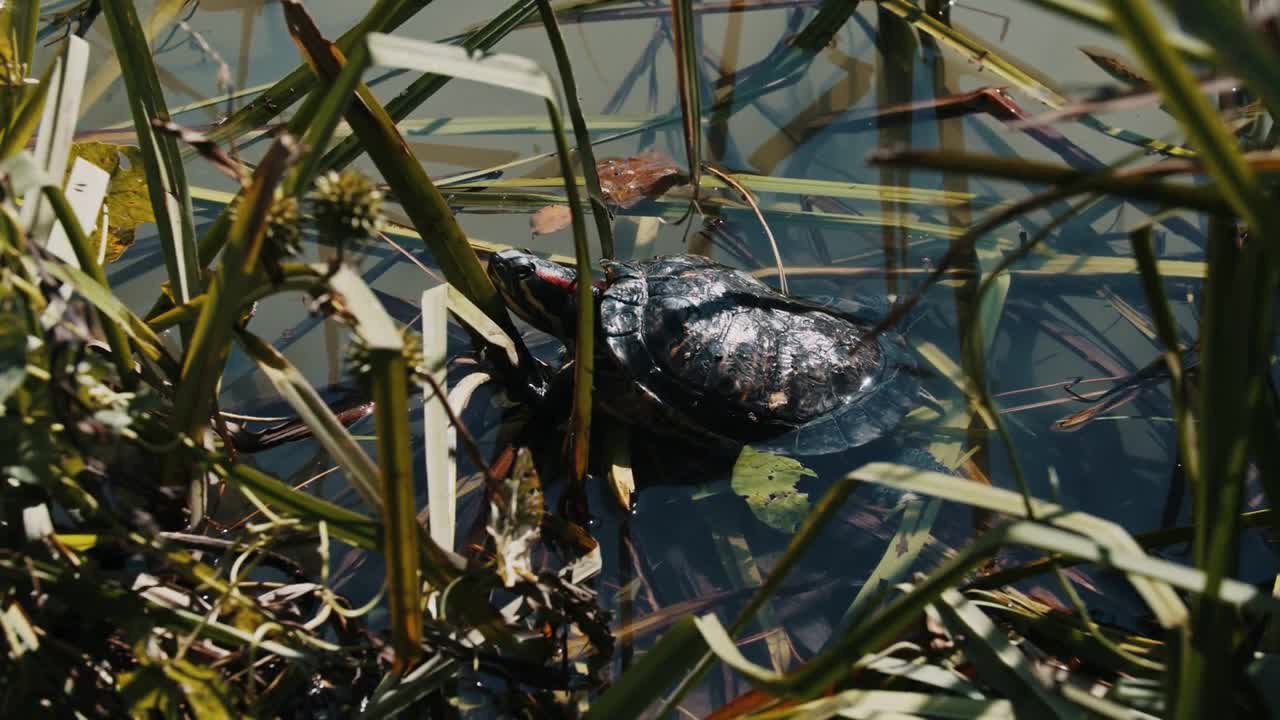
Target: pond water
[1073,309]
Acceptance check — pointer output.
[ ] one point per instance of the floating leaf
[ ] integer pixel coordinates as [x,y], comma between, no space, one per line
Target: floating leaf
[768,482]
[549,219]
[627,181]
[128,203]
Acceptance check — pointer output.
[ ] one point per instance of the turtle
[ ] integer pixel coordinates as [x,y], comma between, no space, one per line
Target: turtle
[689,347]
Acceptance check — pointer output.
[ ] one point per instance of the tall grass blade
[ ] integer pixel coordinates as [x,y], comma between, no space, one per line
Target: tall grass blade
[439,437]
[57,126]
[292,385]
[161,159]
[389,381]
[599,211]
[1238,310]
[515,73]
[1184,404]
[688,84]
[21,124]
[210,342]
[424,204]
[85,257]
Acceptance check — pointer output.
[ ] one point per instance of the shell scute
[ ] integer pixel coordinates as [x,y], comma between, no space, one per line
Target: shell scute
[734,359]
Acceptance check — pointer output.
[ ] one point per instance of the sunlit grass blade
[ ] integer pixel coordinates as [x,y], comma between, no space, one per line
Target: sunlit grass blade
[143,337]
[382,348]
[348,526]
[162,160]
[1238,309]
[409,183]
[893,703]
[439,439]
[514,73]
[22,123]
[599,212]
[361,472]
[739,563]
[999,664]
[810,529]
[87,258]
[57,125]
[1160,598]
[643,683]
[688,85]
[914,527]
[211,338]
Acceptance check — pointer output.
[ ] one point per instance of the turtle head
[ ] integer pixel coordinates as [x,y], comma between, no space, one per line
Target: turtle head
[542,293]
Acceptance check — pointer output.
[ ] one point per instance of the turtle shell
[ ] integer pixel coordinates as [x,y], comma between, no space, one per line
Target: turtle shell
[711,350]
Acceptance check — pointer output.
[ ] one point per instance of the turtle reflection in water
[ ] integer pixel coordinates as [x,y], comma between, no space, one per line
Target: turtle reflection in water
[692,348]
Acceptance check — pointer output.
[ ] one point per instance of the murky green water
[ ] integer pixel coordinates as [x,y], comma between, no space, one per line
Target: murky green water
[693,547]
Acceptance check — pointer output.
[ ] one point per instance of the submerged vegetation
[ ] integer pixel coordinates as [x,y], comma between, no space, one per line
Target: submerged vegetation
[160,558]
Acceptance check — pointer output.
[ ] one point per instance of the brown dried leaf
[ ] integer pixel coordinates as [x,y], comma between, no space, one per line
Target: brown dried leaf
[550,219]
[627,181]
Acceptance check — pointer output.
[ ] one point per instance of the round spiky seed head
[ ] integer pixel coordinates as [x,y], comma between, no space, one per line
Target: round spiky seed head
[284,232]
[359,361]
[360,358]
[414,359]
[347,206]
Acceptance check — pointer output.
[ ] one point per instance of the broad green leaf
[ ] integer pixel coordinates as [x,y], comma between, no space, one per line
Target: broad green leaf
[768,483]
[128,200]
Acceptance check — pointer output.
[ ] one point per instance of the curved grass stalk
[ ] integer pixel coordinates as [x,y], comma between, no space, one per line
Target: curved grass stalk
[729,180]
